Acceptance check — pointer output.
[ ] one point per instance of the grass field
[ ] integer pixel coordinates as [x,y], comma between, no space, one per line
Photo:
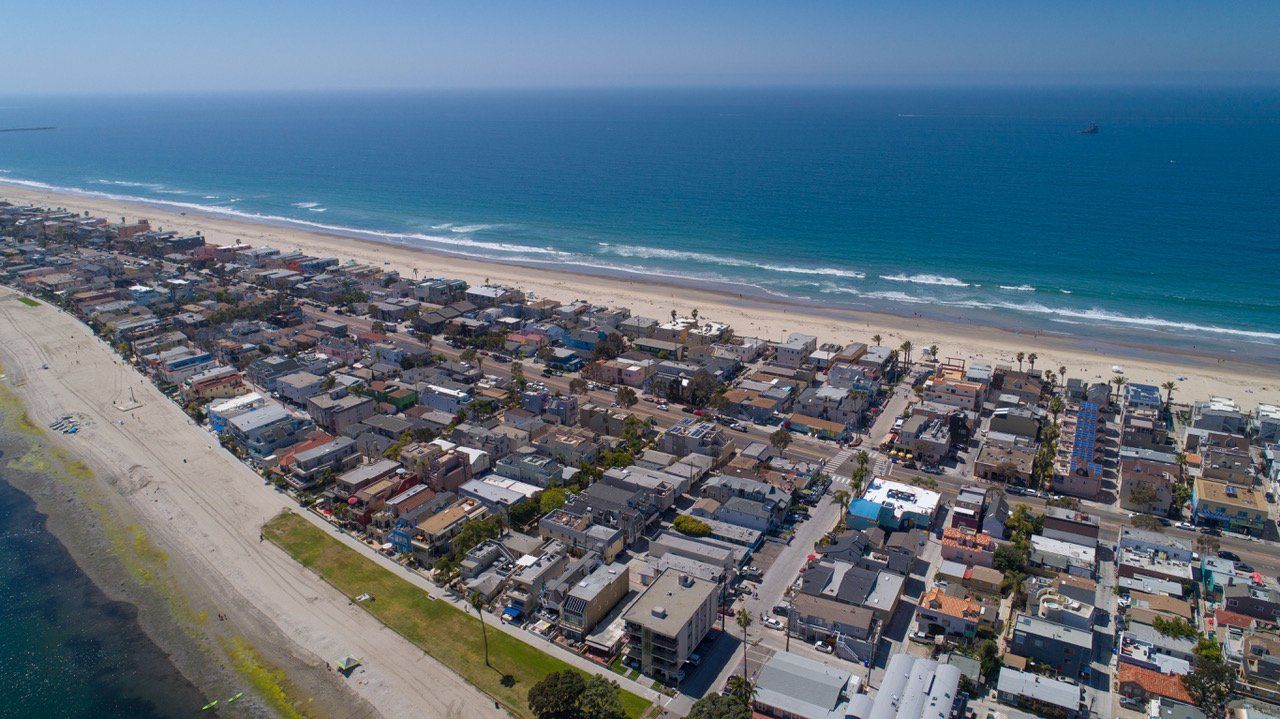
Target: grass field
[448,634]
[28,302]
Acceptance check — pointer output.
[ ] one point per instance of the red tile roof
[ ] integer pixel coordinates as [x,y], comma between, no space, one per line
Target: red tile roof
[1154,683]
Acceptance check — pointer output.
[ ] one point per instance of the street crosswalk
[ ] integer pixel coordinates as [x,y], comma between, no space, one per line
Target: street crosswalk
[834,463]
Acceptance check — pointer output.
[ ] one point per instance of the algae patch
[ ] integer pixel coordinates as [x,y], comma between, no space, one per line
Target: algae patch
[269,683]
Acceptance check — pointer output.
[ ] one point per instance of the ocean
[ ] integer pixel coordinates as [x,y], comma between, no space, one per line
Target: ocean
[67,650]
[983,206]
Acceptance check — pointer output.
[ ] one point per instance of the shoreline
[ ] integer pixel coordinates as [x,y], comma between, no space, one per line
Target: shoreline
[193,514]
[1206,372]
[107,540]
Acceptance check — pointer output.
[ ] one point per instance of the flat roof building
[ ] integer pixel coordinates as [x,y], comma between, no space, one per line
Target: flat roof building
[667,621]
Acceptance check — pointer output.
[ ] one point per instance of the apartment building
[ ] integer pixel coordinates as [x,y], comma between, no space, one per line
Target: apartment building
[668,621]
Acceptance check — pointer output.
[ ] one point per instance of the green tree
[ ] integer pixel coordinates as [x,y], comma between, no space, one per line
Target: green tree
[1119,382]
[780,439]
[610,347]
[743,620]
[1020,356]
[719,706]
[701,388]
[1210,680]
[741,689]
[1147,522]
[988,658]
[906,348]
[577,385]
[1143,493]
[840,498]
[477,603]
[1168,388]
[1031,360]
[600,699]
[876,339]
[556,695]
[552,499]
[1009,557]
[626,397]
[691,526]
[1175,627]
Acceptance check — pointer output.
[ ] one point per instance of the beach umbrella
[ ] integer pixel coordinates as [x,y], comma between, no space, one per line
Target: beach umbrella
[352,501]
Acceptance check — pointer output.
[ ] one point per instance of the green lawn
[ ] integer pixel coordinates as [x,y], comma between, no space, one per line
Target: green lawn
[447,634]
[28,302]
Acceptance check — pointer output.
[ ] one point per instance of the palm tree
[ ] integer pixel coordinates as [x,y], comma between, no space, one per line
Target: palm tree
[1021,356]
[742,690]
[1119,382]
[694,314]
[876,339]
[673,315]
[906,350]
[1168,387]
[1031,359]
[933,352]
[1062,372]
[743,620]
[477,603]
[840,497]
[1055,406]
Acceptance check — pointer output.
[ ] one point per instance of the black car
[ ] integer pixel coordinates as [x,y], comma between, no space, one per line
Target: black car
[1228,555]
[1244,567]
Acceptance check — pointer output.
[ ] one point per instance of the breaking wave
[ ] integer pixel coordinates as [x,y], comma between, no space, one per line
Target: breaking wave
[926,280]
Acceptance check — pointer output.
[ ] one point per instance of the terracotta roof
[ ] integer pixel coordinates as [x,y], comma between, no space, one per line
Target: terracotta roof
[1228,618]
[947,605]
[967,539]
[1154,683]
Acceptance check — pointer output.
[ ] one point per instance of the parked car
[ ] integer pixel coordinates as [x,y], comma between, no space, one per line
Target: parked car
[773,623]
[1188,526]
[824,647]
[694,659]
[1244,567]
[1228,555]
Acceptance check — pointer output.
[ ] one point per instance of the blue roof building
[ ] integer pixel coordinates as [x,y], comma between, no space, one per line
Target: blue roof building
[865,514]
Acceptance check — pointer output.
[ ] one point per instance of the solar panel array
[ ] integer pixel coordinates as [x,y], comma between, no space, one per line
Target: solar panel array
[1084,443]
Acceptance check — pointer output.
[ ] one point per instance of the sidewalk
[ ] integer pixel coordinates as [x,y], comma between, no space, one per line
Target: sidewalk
[436,592]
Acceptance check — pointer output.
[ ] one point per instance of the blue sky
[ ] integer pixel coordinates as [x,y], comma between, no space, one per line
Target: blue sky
[158,45]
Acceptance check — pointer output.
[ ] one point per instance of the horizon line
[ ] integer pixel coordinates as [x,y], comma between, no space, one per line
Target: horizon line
[1178,84]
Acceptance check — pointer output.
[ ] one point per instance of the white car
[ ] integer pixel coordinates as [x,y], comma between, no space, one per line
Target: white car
[1188,526]
[824,647]
[772,623]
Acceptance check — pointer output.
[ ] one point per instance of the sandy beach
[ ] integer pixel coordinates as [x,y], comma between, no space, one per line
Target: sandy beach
[202,509]
[1205,374]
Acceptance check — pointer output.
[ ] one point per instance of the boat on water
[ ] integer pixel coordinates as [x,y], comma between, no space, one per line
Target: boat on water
[1092,129]
[234,697]
[209,706]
